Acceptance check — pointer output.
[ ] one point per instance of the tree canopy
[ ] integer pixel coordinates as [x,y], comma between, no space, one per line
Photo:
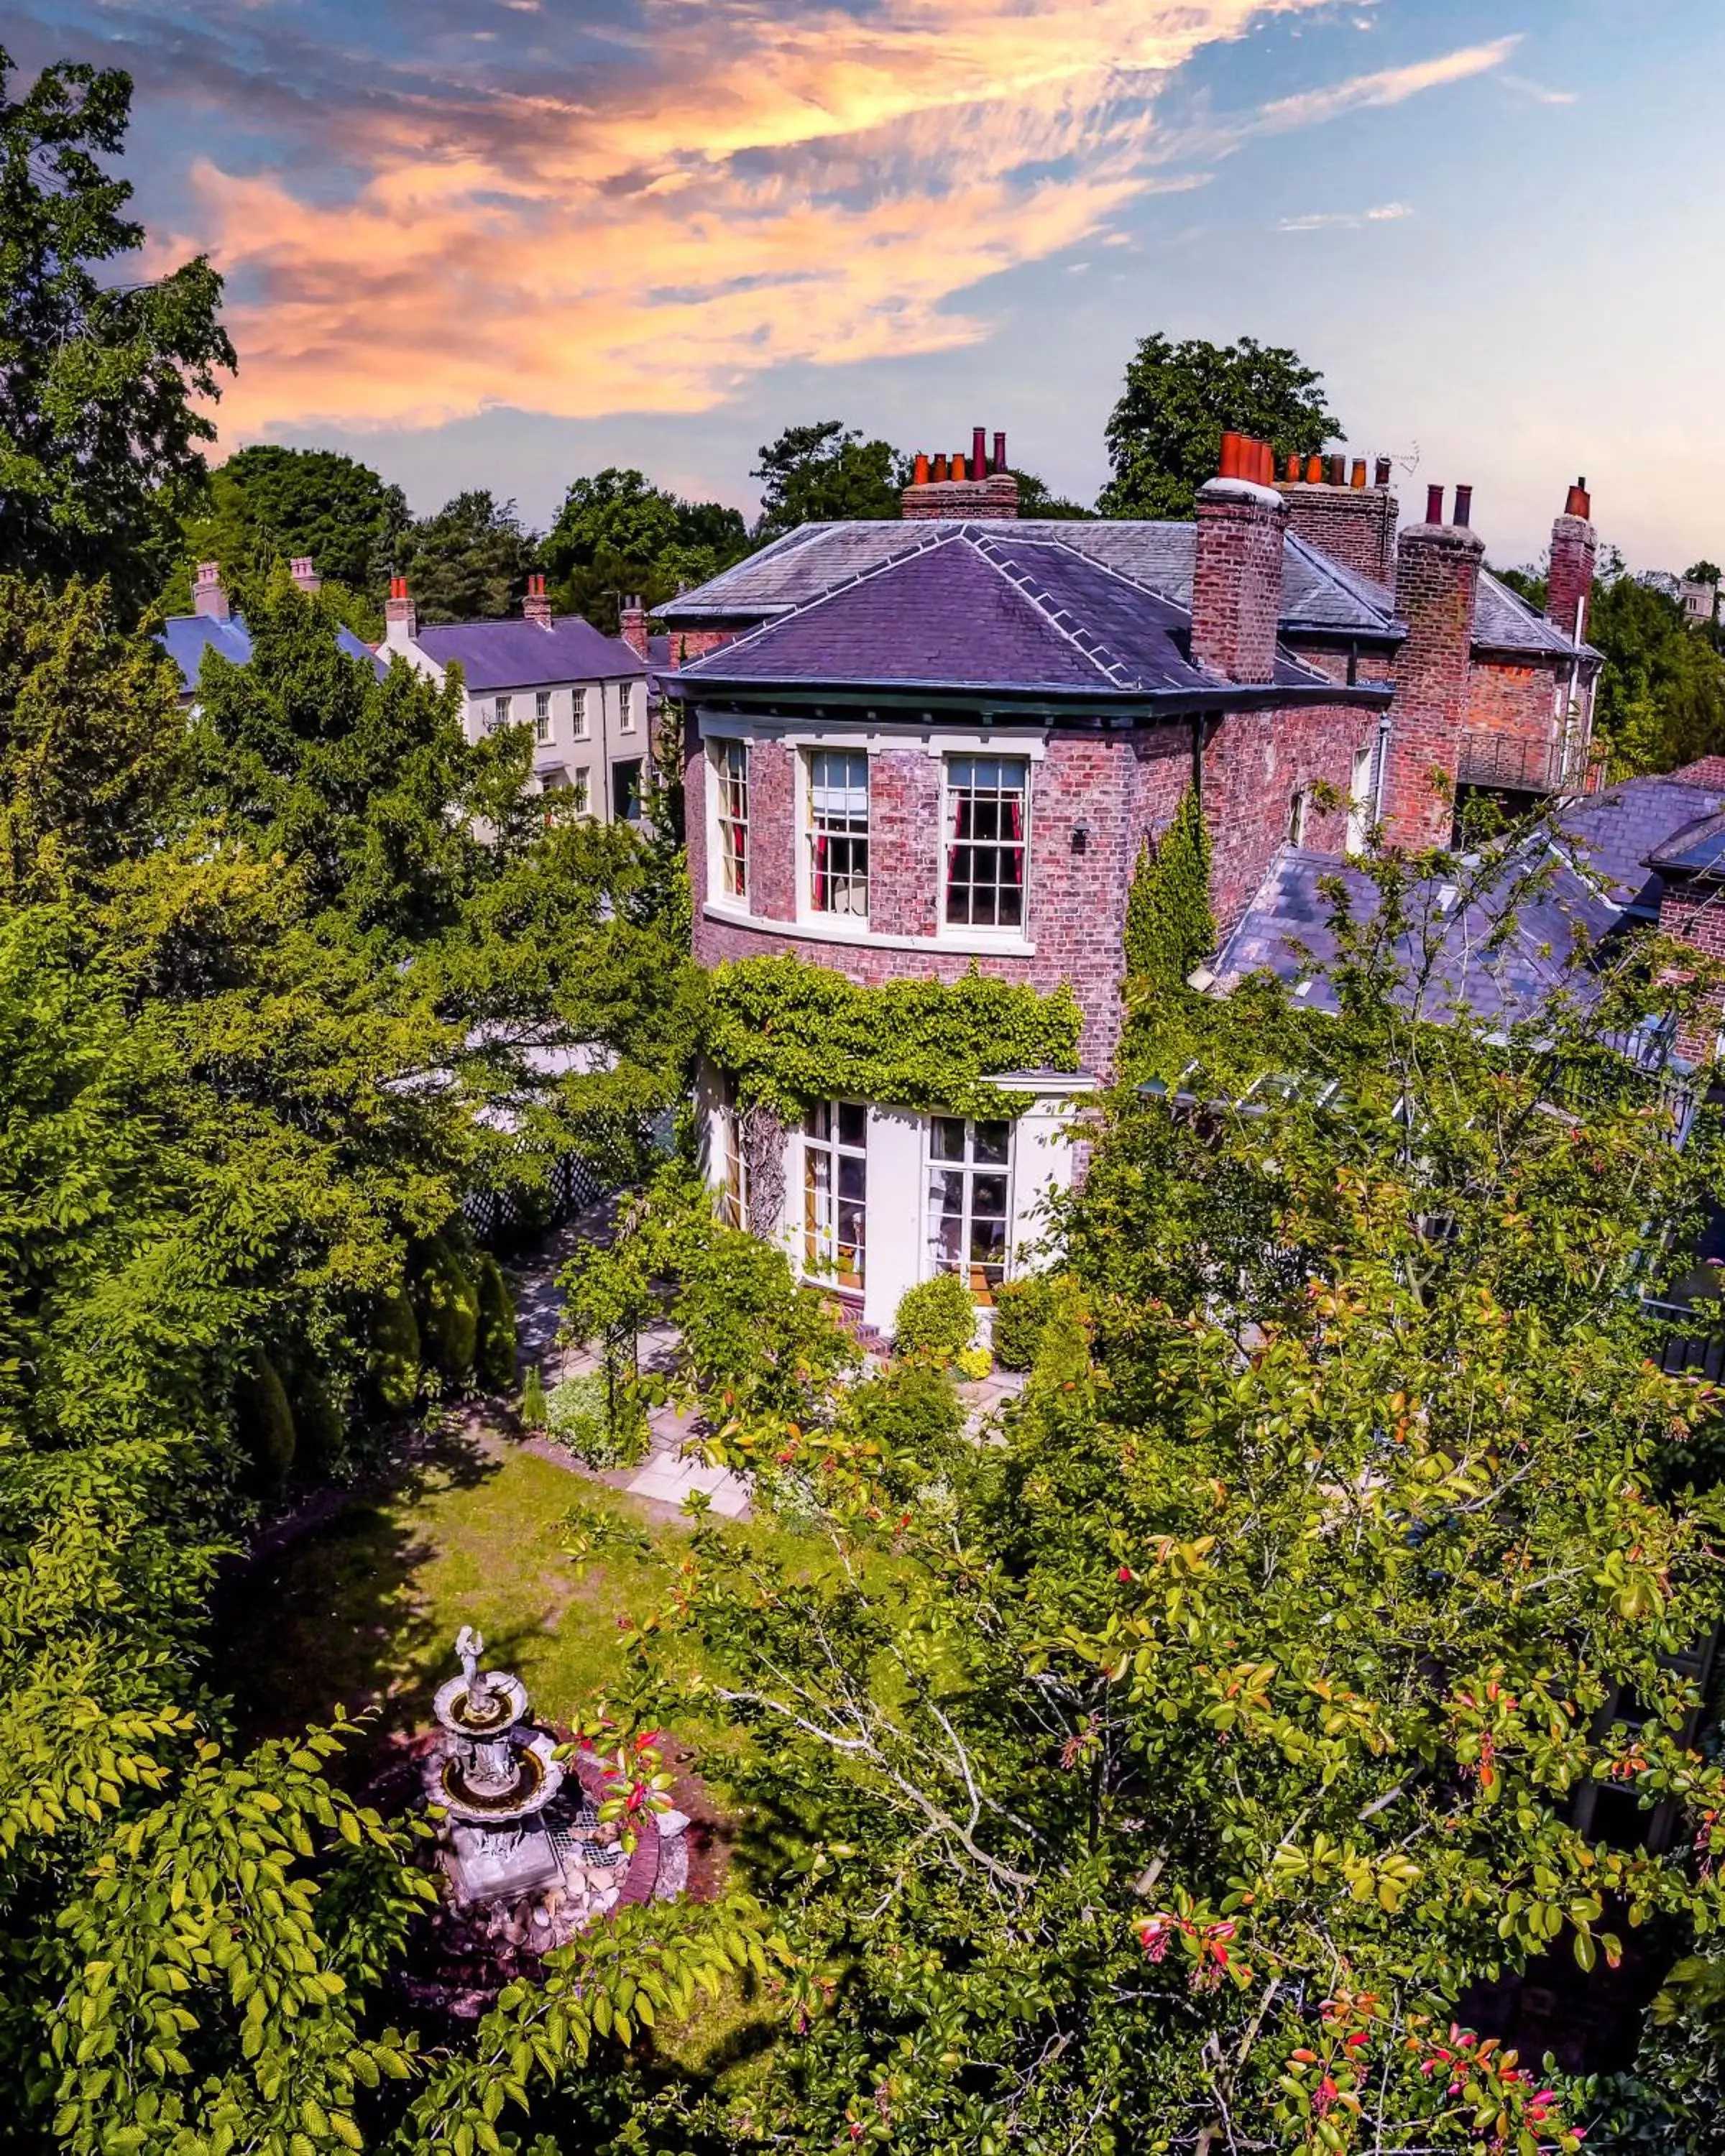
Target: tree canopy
[470,561]
[267,503]
[826,472]
[1164,435]
[100,433]
[617,533]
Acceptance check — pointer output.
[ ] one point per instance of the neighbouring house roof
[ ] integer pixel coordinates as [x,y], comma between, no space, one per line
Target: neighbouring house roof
[1621,833]
[1287,931]
[1504,621]
[185,637]
[528,654]
[989,607]
[1697,851]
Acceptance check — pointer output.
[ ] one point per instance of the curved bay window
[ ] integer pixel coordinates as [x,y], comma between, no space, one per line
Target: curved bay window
[835,1190]
[838,831]
[969,1200]
[985,841]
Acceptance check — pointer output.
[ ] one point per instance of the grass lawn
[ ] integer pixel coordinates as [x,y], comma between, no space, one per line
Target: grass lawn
[364,1610]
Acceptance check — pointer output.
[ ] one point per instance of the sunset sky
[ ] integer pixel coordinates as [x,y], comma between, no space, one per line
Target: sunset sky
[500,242]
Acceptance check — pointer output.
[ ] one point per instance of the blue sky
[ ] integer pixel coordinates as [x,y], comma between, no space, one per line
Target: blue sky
[502,242]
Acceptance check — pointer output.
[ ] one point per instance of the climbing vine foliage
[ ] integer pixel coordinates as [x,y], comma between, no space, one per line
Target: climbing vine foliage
[1169,926]
[789,1035]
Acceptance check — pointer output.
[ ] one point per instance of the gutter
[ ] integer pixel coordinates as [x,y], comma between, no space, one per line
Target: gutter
[1120,703]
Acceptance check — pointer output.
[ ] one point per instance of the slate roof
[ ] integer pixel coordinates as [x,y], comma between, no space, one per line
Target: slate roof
[1697,850]
[985,608]
[1618,833]
[528,654]
[185,637]
[1320,596]
[1287,929]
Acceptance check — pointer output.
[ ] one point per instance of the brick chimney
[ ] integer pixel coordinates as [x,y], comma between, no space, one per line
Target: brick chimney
[401,618]
[304,576]
[1574,549]
[981,489]
[536,607]
[632,626]
[1236,572]
[1354,523]
[1437,577]
[208,596]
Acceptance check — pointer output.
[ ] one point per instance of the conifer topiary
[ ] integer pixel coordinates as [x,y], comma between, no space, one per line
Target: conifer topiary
[496,1328]
[535,1413]
[396,1353]
[321,1428]
[449,1305]
[265,1422]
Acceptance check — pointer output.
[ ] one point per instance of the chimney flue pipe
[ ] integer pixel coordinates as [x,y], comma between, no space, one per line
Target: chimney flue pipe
[1000,449]
[1382,471]
[979,452]
[1464,505]
[1433,504]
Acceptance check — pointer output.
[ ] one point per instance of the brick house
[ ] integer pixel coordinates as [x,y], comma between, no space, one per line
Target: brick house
[915,747]
[583,694]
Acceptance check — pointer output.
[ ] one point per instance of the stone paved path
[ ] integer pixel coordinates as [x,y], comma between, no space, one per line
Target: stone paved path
[665,1477]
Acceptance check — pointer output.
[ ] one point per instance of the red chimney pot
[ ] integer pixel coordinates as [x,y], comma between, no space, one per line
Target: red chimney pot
[1000,449]
[1433,504]
[1464,505]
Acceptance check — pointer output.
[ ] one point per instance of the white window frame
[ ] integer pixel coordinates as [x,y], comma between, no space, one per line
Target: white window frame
[501,713]
[541,717]
[825,1152]
[1299,808]
[719,752]
[1007,931]
[733,1178]
[581,789]
[969,1168]
[1361,788]
[640,765]
[809,906]
[625,707]
[578,714]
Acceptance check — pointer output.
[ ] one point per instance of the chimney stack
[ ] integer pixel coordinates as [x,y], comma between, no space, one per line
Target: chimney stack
[1574,551]
[401,618]
[536,607]
[632,626]
[1236,571]
[209,596]
[1330,507]
[304,576]
[1437,576]
[955,485]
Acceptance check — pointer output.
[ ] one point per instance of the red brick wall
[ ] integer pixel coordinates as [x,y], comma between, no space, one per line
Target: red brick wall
[982,500]
[1236,580]
[1437,584]
[692,643]
[904,841]
[1574,548]
[1354,525]
[1254,764]
[1506,696]
[1694,914]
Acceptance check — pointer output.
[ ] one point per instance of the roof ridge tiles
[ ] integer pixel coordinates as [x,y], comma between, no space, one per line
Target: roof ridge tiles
[1113,669]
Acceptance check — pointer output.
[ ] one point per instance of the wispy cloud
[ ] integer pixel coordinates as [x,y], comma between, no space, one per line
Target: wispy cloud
[1345,220]
[638,213]
[1537,91]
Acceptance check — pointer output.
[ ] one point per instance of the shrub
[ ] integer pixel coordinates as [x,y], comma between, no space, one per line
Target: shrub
[1063,1351]
[936,1317]
[604,1425]
[974,1362]
[1022,1307]
[497,1328]
[395,1353]
[755,1338]
[265,1423]
[321,1427]
[450,1303]
[536,1414]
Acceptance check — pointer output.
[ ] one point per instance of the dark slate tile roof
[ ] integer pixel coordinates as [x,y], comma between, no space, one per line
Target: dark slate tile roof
[1287,930]
[982,607]
[1504,621]
[1615,833]
[185,637]
[1696,849]
[817,557]
[528,654]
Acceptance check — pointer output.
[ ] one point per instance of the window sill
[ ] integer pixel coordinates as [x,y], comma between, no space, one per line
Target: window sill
[843,929]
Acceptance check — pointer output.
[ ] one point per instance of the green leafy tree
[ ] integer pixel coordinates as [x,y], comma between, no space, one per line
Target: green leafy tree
[1179,1770]
[1169,926]
[1037,499]
[269,504]
[100,433]
[470,561]
[1704,572]
[1164,435]
[618,534]
[826,473]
